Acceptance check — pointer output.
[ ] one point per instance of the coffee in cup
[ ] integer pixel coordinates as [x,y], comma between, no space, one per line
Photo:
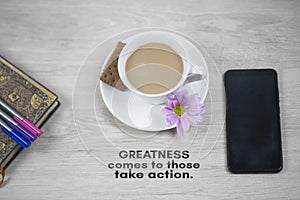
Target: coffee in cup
[154,68]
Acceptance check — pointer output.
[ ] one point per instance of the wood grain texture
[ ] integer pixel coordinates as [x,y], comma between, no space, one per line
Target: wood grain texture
[50,40]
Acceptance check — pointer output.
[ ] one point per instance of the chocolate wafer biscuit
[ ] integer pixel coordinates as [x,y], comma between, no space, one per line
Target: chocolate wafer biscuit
[110,74]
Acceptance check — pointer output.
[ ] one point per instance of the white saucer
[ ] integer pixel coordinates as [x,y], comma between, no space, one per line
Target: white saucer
[135,112]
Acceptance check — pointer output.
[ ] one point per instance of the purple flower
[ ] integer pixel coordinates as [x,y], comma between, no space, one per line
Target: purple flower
[183,110]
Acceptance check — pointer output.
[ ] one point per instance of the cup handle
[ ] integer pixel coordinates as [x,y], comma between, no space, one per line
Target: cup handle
[192,77]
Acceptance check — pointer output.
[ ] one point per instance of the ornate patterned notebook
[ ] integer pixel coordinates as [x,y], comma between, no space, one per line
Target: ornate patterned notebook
[31,99]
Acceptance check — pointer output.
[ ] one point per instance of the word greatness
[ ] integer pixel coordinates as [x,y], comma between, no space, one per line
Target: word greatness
[171,168]
[152,154]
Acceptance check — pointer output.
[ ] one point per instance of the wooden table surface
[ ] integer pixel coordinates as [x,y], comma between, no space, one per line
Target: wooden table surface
[50,41]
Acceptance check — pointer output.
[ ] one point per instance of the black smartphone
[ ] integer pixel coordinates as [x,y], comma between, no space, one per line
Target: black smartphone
[253,121]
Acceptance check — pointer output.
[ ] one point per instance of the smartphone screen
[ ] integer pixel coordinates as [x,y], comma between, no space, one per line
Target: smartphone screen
[253,121]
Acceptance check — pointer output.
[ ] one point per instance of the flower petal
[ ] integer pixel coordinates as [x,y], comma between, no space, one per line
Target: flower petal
[173,119]
[185,100]
[202,109]
[200,119]
[168,103]
[179,128]
[196,109]
[192,119]
[175,103]
[185,124]
[193,111]
[180,95]
[194,99]
[168,110]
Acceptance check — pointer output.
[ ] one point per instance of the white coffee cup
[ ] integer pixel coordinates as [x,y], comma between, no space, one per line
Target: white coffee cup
[153,37]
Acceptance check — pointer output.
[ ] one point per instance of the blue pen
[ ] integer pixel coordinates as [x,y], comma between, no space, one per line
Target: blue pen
[14,135]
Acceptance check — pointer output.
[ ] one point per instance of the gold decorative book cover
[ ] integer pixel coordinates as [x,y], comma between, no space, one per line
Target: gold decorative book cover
[28,97]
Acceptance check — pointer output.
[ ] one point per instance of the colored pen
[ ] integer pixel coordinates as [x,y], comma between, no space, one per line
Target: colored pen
[14,135]
[21,120]
[18,127]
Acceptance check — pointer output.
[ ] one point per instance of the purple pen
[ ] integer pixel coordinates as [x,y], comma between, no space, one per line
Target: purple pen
[21,120]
